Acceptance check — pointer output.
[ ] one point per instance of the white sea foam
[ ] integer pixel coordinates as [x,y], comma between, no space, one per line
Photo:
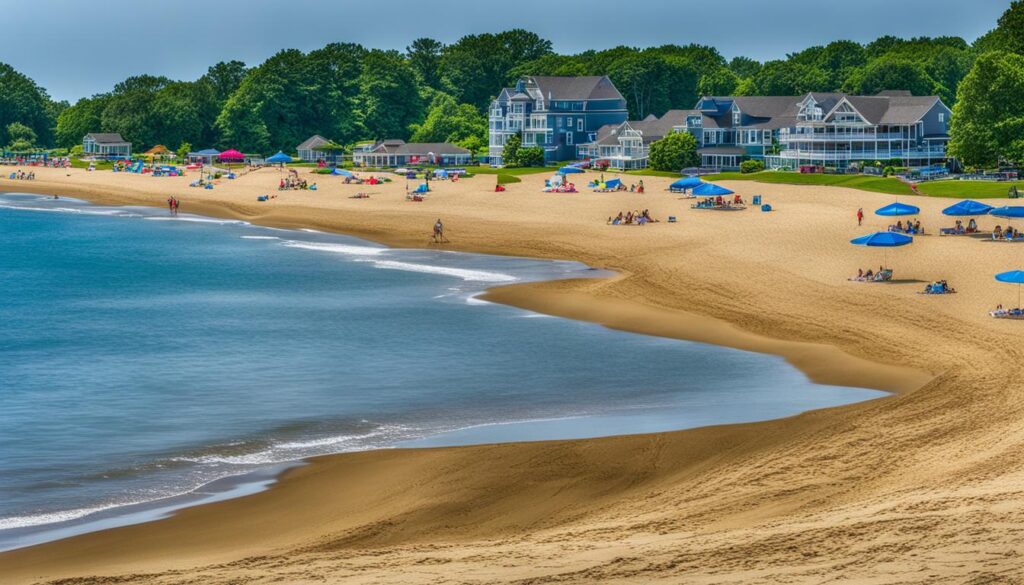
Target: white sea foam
[260,238]
[464,274]
[346,249]
[199,220]
[473,300]
[104,212]
[51,517]
[326,441]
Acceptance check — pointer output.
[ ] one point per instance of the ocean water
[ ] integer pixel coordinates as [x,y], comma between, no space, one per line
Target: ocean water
[149,361]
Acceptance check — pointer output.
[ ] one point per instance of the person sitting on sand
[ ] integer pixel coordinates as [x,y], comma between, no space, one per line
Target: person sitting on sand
[997,233]
[972,226]
[868,275]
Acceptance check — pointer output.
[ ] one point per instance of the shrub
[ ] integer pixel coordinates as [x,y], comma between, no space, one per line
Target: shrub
[674,152]
[751,166]
[888,171]
[530,156]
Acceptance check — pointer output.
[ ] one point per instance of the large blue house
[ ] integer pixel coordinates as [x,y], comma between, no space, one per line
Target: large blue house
[555,113]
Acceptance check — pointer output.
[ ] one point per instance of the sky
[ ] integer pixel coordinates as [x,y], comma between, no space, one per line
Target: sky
[75,49]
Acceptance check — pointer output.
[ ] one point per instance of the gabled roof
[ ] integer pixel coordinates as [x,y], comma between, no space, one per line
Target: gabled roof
[595,87]
[106,138]
[651,128]
[400,147]
[313,142]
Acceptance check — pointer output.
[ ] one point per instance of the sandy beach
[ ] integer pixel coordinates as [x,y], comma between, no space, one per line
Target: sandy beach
[925,485]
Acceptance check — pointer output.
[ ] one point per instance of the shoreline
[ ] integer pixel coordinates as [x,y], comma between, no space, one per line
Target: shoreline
[835,368]
[253,481]
[861,452]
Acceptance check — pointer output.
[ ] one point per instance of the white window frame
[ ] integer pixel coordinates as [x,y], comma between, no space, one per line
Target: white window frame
[579,124]
[942,117]
[568,138]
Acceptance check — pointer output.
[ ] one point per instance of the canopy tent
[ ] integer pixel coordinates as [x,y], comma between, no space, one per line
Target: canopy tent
[897,208]
[710,190]
[610,184]
[883,240]
[158,150]
[1012,277]
[204,156]
[279,158]
[567,170]
[342,172]
[685,183]
[967,207]
[441,173]
[1008,211]
[231,155]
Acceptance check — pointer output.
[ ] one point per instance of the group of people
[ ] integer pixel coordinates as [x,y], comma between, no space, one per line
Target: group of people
[883,274]
[1008,235]
[632,218]
[911,227]
[1001,313]
[639,188]
[52,162]
[958,229]
[939,287]
[21,175]
[720,202]
[173,204]
[294,183]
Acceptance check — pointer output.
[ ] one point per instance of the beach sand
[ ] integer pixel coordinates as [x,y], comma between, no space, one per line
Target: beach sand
[925,485]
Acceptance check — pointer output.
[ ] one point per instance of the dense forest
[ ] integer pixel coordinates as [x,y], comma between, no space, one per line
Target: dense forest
[434,92]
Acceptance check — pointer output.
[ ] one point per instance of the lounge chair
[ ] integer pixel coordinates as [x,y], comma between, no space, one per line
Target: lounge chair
[1007,314]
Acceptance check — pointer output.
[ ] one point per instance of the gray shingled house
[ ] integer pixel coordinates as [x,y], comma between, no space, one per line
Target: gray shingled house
[106,145]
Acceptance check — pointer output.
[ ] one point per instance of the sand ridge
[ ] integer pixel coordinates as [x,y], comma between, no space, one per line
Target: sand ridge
[922,486]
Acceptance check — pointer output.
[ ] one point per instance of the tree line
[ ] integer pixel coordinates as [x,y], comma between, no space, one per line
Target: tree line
[435,92]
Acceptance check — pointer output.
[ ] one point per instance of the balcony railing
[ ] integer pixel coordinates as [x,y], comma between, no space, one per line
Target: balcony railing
[863,155]
[839,137]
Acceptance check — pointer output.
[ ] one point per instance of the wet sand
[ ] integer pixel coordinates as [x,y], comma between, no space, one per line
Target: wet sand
[921,486]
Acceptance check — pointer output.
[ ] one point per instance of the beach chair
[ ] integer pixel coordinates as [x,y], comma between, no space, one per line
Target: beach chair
[671,219]
[423,188]
[756,200]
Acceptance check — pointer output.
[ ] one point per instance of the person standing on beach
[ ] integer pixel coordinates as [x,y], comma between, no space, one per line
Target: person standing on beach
[170,204]
[438,231]
[860,215]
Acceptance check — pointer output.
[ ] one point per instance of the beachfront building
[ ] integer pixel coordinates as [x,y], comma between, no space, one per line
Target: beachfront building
[833,130]
[554,113]
[398,153]
[307,150]
[203,157]
[626,146]
[106,145]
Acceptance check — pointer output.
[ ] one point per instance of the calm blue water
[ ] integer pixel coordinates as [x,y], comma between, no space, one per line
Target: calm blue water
[142,357]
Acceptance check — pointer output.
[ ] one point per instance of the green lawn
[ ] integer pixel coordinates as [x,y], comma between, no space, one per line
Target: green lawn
[863,182]
[653,173]
[968,189]
[485,170]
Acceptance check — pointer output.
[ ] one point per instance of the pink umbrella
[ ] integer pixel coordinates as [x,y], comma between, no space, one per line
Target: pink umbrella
[231,155]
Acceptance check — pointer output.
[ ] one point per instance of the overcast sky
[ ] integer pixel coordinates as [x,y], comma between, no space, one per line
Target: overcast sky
[75,48]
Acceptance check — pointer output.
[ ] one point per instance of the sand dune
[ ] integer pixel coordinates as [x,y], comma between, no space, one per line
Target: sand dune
[926,485]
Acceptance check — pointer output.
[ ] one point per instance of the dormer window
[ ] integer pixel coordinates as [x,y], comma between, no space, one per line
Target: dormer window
[736,116]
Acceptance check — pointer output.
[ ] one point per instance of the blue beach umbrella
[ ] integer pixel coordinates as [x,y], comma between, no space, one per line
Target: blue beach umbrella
[342,172]
[710,190]
[568,170]
[894,209]
[685,183]
[1009,211]
[967,207]
[279,158]
[1012,277]
[883,240]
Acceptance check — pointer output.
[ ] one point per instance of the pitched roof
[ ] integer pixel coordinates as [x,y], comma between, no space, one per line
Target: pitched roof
[594,87]
[313,142]
[773,112]
[651,128]
[106,138]
[418,148]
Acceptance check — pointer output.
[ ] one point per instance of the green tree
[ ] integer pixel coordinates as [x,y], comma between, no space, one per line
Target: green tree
[789,78]
[744,67]
[129,110]
[888,73]
[183,149]
[674,152]
[448,121]
[1009,32]
[425,58]
[224,78]
[390,99]
[510,154]
[476,67]
[21,100]
[988,118]
[21,137]
[80,119]
[721,81]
